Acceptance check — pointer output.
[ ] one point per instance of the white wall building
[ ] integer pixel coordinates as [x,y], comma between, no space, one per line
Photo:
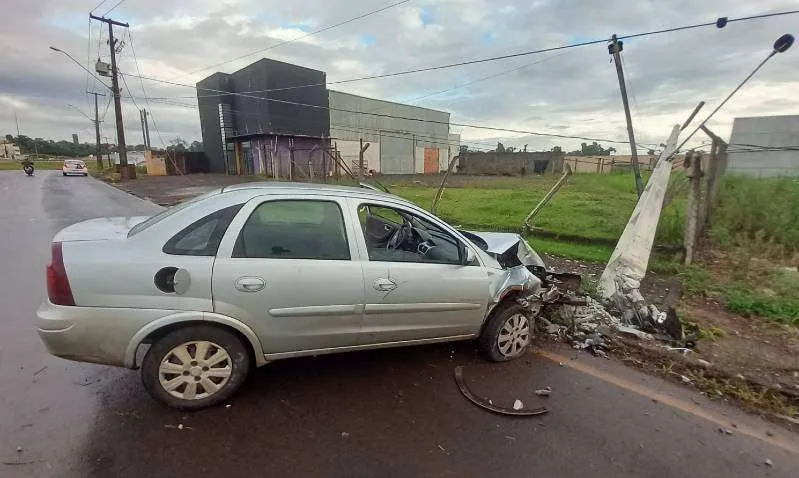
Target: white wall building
[764,146]
[422,144]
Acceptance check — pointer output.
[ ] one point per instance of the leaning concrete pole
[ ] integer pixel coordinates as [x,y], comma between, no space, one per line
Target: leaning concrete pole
[628,263]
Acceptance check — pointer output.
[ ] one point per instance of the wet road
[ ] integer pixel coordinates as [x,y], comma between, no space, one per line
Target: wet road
[387,413]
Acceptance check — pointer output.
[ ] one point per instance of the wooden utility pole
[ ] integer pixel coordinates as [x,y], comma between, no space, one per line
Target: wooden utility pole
[615,49]
[97,128]
[121,147]
[364,147]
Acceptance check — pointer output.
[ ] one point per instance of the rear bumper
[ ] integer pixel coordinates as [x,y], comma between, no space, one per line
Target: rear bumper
[75,172]
[91,334]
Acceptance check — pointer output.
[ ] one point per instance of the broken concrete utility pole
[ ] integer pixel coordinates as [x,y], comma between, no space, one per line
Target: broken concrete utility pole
[548,197]
[615,48]
[621,279]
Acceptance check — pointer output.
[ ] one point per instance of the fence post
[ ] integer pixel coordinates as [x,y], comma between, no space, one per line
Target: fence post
[691,232]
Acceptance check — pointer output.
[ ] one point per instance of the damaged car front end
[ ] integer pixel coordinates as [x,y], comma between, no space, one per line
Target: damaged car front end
[520,271]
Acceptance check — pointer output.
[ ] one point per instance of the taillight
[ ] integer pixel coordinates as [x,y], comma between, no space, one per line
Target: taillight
[57,283]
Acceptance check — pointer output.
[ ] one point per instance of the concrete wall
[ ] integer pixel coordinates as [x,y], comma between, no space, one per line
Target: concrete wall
[349,153]
[511,164]
[348,127]
[764,146]
[607,164]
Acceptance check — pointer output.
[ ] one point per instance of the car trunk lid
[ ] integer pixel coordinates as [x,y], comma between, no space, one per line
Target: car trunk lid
[100,229]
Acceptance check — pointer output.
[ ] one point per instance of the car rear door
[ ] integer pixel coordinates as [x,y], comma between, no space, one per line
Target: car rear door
[409,300]
[285,266]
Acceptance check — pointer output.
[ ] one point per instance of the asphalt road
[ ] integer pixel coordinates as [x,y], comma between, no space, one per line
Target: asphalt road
[386,413]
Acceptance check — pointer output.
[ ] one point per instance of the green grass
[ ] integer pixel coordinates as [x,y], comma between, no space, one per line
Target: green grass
[771,295]
[763,211]
[591,207]
[583,252]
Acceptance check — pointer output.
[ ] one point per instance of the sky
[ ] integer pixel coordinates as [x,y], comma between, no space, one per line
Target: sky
[572,92]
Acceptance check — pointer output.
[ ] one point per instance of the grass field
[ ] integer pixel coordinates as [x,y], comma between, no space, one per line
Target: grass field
[588,213]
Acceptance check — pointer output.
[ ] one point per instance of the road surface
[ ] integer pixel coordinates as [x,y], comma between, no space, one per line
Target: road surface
[387,413]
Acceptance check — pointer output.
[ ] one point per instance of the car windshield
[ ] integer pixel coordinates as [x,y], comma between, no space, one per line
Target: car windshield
[169,211]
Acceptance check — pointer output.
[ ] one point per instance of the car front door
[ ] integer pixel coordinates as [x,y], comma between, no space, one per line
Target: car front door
[285,267]
[412,292]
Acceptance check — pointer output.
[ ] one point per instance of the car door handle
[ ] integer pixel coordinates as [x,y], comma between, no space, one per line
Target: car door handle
[250,284]
[384,285]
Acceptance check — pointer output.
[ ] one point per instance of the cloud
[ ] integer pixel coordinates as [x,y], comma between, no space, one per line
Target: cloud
[575,92]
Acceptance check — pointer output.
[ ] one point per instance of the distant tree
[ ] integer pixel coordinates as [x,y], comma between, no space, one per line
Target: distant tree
[650,152]
[177,144]
[9,137]
[196,146]
[557,149]
[593,149]
[463,149]
[500,148]
[510,149]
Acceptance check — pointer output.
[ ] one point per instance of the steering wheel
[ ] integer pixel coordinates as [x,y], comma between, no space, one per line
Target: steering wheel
[399,237]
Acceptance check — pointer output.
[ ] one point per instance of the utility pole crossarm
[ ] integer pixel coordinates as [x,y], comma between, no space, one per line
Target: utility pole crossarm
[108,20]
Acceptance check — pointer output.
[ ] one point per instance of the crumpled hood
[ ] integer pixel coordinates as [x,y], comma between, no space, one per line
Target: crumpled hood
[104,228]
[498,243]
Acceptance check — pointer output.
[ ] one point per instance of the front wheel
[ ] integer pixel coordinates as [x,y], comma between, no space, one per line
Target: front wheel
[195,367]
[507,334]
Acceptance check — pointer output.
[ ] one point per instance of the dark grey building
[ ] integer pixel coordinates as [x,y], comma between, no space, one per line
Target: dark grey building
[264,106]
[280,120]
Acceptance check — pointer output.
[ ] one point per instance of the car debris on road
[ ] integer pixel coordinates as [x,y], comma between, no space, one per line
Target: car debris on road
[517,409]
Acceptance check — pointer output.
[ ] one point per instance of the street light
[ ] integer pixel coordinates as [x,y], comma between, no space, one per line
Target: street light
[80,111]
[79,64]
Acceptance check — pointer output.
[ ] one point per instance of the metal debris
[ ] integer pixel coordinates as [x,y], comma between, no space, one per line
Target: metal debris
[518,405]
[635,332]
[488,405]
[544,392]
[768,462]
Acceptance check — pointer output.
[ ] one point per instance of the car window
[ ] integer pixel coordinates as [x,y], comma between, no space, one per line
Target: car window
[396,235]
[202,238]
[169,211]
[294,229]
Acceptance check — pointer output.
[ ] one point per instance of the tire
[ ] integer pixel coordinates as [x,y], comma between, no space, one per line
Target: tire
[512,317]
[64,174]
[228,374]
[85,174]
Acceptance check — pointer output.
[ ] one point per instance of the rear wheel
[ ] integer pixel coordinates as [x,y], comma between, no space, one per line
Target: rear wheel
[64,174]
[507,334]
[195,367]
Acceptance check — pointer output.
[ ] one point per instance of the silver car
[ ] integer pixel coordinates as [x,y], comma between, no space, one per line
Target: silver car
[252,273]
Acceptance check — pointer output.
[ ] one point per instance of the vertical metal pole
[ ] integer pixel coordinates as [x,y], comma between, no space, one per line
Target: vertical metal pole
[97,132]
[615,48]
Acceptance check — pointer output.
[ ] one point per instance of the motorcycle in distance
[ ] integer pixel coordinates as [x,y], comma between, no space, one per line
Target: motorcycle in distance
[27,166]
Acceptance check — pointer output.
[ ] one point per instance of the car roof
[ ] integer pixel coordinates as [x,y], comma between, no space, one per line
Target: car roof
[305,188]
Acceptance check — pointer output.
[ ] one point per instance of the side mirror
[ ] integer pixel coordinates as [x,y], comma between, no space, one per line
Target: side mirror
[468,256]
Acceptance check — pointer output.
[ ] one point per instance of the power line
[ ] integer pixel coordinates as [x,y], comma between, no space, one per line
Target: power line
[315,32]
[384,115]
[513,55]
[112,8]
[98,6]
